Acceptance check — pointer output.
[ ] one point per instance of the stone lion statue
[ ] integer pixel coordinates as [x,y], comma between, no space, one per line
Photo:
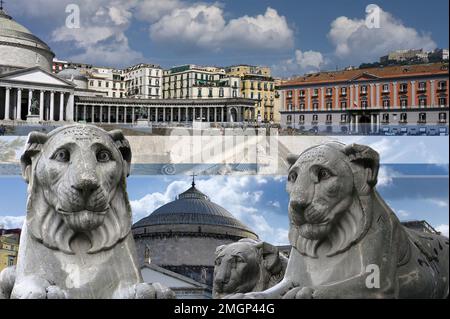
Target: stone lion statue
[76,241]
[245,266]
[347,242]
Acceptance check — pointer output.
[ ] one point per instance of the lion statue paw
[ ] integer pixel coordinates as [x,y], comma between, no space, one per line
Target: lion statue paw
[145,291]
[36,288]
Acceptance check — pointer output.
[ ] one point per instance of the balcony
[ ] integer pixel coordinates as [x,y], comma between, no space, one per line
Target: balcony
[421,89]
[442,88]
[403,90]
[442,121]
[344,93]
[329,93]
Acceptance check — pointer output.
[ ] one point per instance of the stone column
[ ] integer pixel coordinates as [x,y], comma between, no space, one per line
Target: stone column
[433,93]
[30,98]
[351,96]
[70,106]
[378,95]
[336,95]
[356,95]
[222,114]
[308,106]
[52,106]
[61,107]
[322,97]
[132,115]
[413,93]
[7,103]
[164,114]
[85,113]
[372,96]
[208,115]
[187,114]
[101,114]
[19,105]
[215,114]
[125,114]
[117,114]
[93,114]
[76,113]
[171,114]
[156,115]
[179,114]
[41,105]
[109,114]
[395,105]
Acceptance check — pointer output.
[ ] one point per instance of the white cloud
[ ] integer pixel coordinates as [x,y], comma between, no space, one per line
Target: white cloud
[403,213]
[439,202]
[443,229]
[309,59]
[154,10]
[11,222]
[204,26]
[354,40]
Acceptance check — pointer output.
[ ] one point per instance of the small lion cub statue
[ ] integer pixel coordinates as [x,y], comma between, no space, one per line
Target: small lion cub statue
[76,241]
[245,266]
[346,241]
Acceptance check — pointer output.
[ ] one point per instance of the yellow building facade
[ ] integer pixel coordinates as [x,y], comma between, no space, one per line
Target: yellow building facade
[257,84]
[9,247]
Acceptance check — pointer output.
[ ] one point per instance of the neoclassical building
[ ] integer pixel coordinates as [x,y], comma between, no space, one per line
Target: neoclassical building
[26,79]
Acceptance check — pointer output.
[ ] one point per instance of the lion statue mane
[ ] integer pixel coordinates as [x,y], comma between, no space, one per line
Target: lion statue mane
[245,266]
[346,241]
[76,241]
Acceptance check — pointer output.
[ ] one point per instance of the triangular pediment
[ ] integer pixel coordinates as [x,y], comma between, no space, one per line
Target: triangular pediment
[35,75]
[364,77]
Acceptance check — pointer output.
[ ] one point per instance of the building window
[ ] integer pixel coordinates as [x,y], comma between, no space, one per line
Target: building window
[364,104]
[301,119]
[403,118]
[329,91]
[422,102]
[442,86]
[199,93]
[302,93]
[221,92]
[315,118]
[442,101]
[329,106]
[386,88]
[210,93]
[302,106]
[364,89]
[315,106]
[343,105]
[91,83]
[442,117]
[403,87]
[403,103]
[385,118]
[422,118]
[99,84]
[290,106]
[344,91]
[343,118]
[386,104]
[422,86]
[329,118]
[234,93]
[11,260]
[107,84]
[316,92]
[289,119]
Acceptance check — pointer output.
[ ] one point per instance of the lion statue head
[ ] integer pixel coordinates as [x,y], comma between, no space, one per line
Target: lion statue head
[329,186]
[246,266]
[76,179]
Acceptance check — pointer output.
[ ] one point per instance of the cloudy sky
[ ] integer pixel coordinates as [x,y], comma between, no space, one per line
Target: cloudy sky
[293,37]
[413,179]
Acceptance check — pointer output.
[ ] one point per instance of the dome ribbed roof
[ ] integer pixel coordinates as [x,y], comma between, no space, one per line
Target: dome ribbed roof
[192,208]
[15,32]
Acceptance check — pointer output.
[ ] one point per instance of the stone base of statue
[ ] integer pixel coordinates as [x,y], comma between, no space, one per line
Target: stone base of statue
[142,123]
[34,119]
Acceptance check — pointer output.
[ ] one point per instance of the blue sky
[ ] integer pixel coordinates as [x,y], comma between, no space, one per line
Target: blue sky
[293,37]
[413,179]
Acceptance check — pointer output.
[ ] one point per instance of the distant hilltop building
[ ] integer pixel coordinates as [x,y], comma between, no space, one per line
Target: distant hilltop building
[182,235]
[9,247]
[415,55]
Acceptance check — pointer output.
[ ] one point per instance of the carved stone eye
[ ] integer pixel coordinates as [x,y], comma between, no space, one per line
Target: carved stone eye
[104,156]
[61,155]
[323,174]
[292,177]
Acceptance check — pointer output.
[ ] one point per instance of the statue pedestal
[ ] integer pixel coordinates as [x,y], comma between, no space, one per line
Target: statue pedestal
[142,123]
[34,119]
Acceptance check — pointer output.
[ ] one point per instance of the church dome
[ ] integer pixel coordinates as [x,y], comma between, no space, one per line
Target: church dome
[194,208]
[19,48]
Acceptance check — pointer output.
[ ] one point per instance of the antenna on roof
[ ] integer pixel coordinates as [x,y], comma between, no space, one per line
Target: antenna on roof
[1,4]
